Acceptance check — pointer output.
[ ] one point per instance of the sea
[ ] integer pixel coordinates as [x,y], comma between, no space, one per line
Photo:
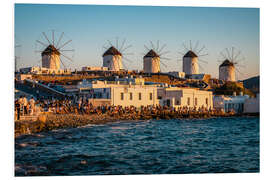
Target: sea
[214,145]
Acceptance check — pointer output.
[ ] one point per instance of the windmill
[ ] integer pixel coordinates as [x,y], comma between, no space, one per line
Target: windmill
[54,48]
[230,64]
[192,58]
[114,53]
[152,59]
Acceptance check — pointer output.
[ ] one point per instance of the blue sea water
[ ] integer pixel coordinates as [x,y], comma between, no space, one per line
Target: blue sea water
[216,145]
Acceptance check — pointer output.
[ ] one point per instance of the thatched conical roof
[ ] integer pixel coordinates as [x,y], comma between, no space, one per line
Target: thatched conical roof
[226,63]
[190,54]
[151,54]
[50,50]
[112,51]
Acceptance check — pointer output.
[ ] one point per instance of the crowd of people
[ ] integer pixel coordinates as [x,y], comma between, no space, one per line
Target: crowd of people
[84,106]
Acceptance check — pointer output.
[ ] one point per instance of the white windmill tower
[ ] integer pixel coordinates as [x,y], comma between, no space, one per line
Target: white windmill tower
[53,50]
[192,57]
[112,59]
[114,55]
[152,59]
[228,67]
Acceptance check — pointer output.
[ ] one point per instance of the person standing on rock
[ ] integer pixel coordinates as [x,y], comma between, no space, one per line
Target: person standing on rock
[25,104]
[32,105]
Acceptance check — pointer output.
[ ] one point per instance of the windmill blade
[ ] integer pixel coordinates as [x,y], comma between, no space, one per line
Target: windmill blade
[165,58]
[190,46]
[126,48]
[228,53]
[61,36]
[67,57]
[201,49]
[124,41]
[163,64]
[185,47]
[116,42]
[232,54]
[240,60]
[241,66]
[153,47]
[180,53]
[164,53]
[202,55]
[62,63]
[157,45]
[105,47]
[223,55]
[41,43]
[236,56]
[203,61]
[53,37]
[67,50]
[110,42]
[46,37]
[196,46]
[162,47]
[146,48]
[127,54]
[64,44]
[239,72]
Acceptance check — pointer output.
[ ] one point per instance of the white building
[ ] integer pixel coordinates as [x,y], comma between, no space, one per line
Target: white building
[252,105]
[188,97]
[230,103]
[51,58]
[124,93]
[190,63]
[94,68]
[177,74]
[151,62]
[42,70]
[112,59]
[227,71]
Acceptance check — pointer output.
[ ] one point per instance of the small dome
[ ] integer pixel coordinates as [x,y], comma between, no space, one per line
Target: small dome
[152,54]
[112,51]
[226,63]
[50,50]
[190,54]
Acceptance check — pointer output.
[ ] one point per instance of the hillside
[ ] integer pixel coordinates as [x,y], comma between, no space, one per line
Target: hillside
[253,84]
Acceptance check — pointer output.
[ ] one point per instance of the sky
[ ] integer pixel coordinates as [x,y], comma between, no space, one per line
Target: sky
[90,27]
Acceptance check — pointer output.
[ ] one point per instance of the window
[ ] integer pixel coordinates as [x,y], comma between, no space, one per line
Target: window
[140,96]
[151,96]
[188,101]
[177,102]
[196,101]
[122,96]
[206,101]
[130,96]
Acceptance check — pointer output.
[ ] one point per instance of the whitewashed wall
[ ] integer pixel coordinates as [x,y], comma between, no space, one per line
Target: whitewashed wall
[151,65]
[113,62]
[227,73]
[145,96]
[190,65]
[51,61]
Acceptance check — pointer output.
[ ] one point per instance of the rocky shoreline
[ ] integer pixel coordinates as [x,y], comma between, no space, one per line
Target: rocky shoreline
[50,122]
